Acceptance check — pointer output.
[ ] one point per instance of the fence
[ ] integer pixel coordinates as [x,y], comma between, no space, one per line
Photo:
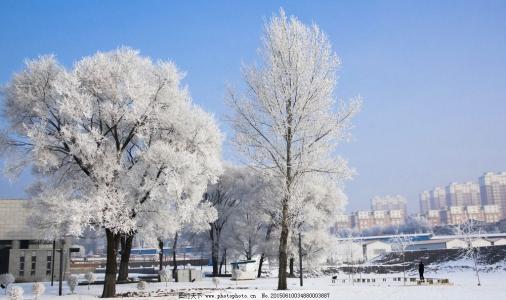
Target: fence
[394,280]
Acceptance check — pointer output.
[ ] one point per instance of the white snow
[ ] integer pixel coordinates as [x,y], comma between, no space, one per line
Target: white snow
[463,286]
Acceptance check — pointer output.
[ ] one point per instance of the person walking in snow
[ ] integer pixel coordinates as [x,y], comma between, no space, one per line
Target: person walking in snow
[421,269]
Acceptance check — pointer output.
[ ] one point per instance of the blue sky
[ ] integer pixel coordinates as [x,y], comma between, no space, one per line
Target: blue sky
[432,73]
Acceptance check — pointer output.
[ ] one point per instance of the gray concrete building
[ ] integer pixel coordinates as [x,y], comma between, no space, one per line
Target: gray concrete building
[22,253]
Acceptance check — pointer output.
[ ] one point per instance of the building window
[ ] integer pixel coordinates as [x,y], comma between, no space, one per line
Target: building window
[48,264]
[34,262]
[22,263]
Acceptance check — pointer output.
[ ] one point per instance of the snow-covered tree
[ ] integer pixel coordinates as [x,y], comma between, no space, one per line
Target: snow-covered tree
[165,275]
[286,124]
[216,282]
[225,200]
[184,219]
[90,277]
[246,226]
[247,229]
[72,282]
[313,217]
[6,280]
[38,289]
[400,243]
[142,285]
[469,231]
[116,143]
[16,293]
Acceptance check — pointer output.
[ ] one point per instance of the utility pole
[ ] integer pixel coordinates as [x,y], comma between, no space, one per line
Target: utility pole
[53,257]
[300,259]
[60,287]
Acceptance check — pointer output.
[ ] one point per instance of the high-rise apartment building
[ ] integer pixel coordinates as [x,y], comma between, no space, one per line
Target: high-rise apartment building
[493,190]
[463,194]
[425,202]
[389,203]
[438,198]
[455,215]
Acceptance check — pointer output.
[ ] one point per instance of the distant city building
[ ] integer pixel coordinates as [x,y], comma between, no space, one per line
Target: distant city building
[433,217]
[438,198]
[343,221]
[362,220]
[425,202]
[21,252]
[484,201]
[492,213]
[389,203]
[455,215]
[463,194]
[493,190]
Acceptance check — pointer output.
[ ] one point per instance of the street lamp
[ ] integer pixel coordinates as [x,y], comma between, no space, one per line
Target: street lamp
[52,262]
[60,284]
[300,258]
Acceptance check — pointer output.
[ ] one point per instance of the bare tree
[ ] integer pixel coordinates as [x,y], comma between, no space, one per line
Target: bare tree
[286,125]
[469,231]
[401,242]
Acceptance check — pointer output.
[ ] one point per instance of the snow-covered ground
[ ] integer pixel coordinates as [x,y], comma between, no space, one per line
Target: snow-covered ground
[463,287]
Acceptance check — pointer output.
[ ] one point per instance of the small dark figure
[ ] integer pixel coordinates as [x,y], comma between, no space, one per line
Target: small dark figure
[334,278]
[421,269]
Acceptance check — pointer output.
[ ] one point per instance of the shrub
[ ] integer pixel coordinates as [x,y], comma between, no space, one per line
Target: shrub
[16,293]
[90,277]
[38,289]
[164,275]
[142,285]
[72,282]
[5,280]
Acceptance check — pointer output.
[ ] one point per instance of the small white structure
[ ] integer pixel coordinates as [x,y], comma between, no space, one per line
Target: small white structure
[375,249]
[244,270]
[455,244]
[479,242]
[498,241]
[348,251]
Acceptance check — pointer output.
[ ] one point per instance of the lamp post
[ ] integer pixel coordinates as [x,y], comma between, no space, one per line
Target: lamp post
[52,262]
[300,259]
[60,286]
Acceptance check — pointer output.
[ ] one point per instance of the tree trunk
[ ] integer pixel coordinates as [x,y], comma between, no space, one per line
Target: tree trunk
[291,266]
[249,253]
[223,260]
[262,257]
[283,245]
[111,265]
[215,247]
[283,239]
[126,249]
[174,259]
[160,267]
